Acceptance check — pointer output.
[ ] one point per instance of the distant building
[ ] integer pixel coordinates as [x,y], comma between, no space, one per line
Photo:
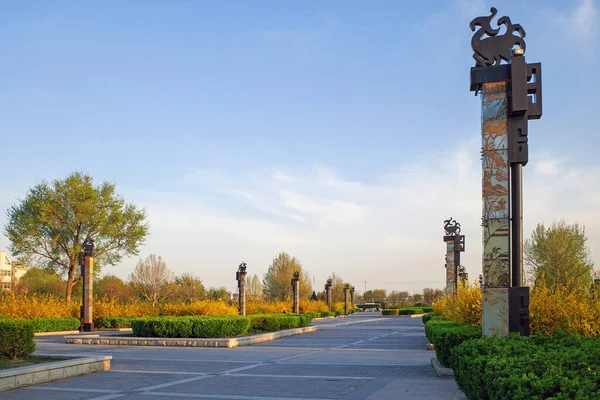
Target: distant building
[10,272]
[233,296]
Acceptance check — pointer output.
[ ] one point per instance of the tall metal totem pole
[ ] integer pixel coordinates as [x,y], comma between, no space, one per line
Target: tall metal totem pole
[86,261]
[328,293]
[455,244]
[296,293]
[511,95]
[240,276]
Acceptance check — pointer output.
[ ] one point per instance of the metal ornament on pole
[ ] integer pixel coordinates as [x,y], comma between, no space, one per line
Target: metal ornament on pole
[240,276]
[511,95]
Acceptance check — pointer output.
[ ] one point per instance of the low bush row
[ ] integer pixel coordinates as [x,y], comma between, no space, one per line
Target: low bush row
[446,335]
[190,327]
[390,311]
[274,322]
[16,338]
[427,317]
[114,322]
[55,324]
[538,367]
[321,314]
[212,326]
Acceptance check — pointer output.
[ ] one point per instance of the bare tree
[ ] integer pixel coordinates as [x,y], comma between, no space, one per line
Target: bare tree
[152,279]
[253,287]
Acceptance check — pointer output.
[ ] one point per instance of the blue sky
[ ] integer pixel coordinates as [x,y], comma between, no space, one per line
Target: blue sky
[330,130]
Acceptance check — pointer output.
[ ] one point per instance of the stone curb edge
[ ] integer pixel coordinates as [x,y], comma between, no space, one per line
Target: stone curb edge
[14,378]
[188,342]
[439,369]
[56,333]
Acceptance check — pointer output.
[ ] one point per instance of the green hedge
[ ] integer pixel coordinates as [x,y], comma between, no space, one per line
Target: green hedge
[16,338]
[339,312]
[427,317]
[390,311]
[114,322]
[275,322]
[190,326]
[55,324]
[539,367]
[426,309]
[410,311]
[446,335]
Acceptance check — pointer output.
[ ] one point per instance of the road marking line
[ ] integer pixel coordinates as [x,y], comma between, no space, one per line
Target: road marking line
[158,372]
[68,389]
[351,378]
[225,396]
[108,397]
[172,383]
[240,369]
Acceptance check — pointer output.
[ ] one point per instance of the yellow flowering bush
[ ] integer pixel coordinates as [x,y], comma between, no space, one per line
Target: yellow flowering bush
[307,306]
[200,307]
[464,307]
[263,307]
[575,311]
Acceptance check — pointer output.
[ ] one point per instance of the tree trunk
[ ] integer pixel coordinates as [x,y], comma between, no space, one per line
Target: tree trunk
[70,281]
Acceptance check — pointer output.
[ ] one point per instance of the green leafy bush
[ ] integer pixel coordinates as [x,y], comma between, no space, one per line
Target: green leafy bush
[539,367]
[426,309]
[114,322]
[446,335]
[427,317]
[339,312]
[327,314]
[274,322]
[16,338]
[390,311]
[192,326]
[54,324]
[410,311]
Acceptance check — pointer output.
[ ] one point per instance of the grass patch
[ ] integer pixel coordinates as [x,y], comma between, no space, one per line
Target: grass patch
[26,361]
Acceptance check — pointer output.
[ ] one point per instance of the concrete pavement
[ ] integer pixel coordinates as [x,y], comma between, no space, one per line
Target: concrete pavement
[364,356]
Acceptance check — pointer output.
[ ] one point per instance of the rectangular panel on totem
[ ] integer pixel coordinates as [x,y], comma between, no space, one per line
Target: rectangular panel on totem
[496,215]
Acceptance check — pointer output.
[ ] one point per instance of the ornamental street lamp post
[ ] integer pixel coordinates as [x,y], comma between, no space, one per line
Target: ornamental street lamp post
[455,244]
[346,290]
[240,275]
[352,290]
[86,261]
[296,293]
[511,95]
[328,293]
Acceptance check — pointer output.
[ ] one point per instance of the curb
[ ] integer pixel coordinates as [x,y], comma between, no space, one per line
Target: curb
[14,378]
[56,333]
[439,369]
[187,342]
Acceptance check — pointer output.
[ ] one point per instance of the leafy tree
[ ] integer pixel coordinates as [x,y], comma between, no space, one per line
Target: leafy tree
[417,298]
[253,287]
[430,295]
[188,288]
[113,288]
[40,281]
[337,287]
[558,255]
[49,226]
[151,279]
[277,281]
[313,296]
[218,294]
[375,295]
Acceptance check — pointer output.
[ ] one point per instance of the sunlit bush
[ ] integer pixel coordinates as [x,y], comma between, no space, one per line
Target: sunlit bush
[201,307]
[464,307]
[307,306]
[263,307]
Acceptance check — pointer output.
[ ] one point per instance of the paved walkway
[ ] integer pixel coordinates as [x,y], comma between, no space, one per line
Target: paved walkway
[365,356]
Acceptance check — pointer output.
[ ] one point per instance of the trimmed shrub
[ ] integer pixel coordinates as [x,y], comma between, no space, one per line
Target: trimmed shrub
[200,307]
[274,322]
[427,317]
[339,312]
[410,311]
[538,367]
[190,327]
[426,309]
[54,324]
[390,311]
[446,335]
[114,322]
[16,338]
